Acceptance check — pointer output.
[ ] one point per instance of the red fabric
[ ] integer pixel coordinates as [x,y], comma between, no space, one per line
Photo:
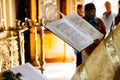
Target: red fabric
[102,27]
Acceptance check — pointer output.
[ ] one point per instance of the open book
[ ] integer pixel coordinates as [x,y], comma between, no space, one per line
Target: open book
[75,31]
[28,72]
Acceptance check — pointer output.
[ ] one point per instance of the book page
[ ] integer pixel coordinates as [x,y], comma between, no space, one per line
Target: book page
[70,34]
[84,26]
[28,72]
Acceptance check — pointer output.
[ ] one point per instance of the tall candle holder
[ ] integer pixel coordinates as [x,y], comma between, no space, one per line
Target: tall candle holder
[39,61]
[42,61]
[36,61]
[47,14]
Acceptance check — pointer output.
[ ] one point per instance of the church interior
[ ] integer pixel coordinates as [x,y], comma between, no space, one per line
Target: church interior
[24,39]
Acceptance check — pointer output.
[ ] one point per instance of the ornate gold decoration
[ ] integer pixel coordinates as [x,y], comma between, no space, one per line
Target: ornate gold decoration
[104,62]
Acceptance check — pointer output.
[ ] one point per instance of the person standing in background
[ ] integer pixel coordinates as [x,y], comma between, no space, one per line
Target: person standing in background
[90,17]
[98,23]
[108,17]
[117,17]
[80,9]
[78,54]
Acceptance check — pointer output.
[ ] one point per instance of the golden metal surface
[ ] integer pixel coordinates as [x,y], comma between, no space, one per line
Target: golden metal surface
[104,62]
